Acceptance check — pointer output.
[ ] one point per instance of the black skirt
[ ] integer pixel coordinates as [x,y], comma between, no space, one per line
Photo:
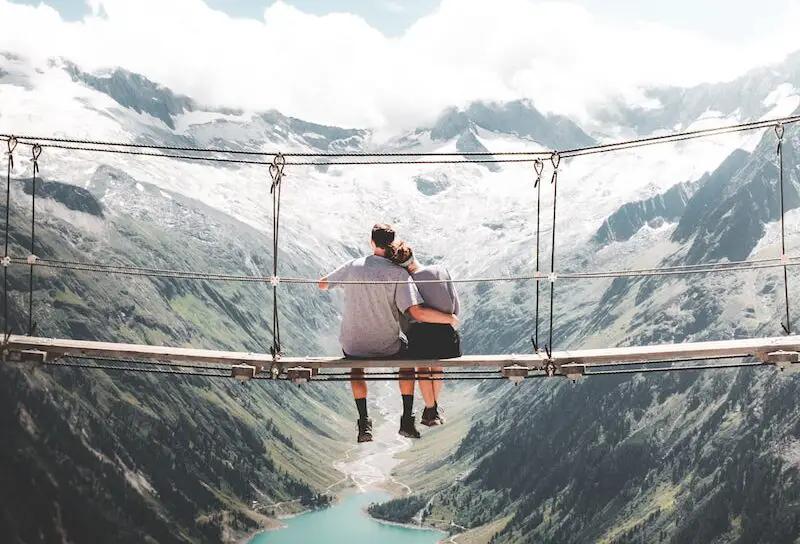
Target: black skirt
[433,341]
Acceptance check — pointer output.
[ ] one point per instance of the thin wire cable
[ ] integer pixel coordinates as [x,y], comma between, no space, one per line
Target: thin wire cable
[186,370]
[11,144]
[666,361]
[539,167]
[530,156]
[787,327]
[674,369]
[146,370]
[276,173]
[681,136]
[288,163]
[732,266]
[36,151]
[556,160]
[319,154]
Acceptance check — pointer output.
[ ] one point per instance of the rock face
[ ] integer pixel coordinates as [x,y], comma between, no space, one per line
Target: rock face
[680,457]
[95,455]
[631,217]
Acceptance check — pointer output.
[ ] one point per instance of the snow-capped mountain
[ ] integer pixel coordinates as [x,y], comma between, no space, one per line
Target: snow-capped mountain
[696,201]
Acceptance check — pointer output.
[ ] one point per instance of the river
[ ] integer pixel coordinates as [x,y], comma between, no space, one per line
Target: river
[368,467]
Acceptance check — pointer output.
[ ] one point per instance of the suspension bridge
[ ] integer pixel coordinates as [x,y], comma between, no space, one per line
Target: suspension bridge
[543,361]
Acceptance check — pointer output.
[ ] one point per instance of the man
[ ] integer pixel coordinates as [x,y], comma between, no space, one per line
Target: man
[371,321]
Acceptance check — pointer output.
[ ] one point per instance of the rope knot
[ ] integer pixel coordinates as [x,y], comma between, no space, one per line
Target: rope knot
[276,171]
[12,145]
[36,151]
[538,165]
[555,158]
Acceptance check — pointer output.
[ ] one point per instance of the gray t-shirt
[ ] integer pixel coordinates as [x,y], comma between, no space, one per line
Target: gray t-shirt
[439,296]
[371,321]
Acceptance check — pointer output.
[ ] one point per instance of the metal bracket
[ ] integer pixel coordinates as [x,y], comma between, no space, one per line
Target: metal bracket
[784,361]
[515,373]
[573,371]
[243,372]
[299,374]
[30,358]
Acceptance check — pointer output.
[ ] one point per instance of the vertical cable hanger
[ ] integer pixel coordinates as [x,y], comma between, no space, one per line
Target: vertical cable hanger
[276,173]
[555,158]
[538,166]
[12,144]
[36,151]
[787,326]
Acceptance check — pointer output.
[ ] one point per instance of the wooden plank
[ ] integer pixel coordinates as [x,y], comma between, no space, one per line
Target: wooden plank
[687,350]
[588,357]
[190,355]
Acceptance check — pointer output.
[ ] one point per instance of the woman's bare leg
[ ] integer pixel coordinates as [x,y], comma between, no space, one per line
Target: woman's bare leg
[426,387]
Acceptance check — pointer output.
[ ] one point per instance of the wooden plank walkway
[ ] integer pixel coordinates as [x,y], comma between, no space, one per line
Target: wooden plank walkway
[758,347]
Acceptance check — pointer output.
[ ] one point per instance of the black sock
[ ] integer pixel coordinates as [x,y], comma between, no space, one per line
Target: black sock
[361,404]
[408,405]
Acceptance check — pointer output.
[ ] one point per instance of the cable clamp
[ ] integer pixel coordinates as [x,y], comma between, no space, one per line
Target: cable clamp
[6,261]
[32,259]
[276,171]
[784,259]
[12,145]
[555,158]
[779,129]
[36,151]
[274,281]
[552,277]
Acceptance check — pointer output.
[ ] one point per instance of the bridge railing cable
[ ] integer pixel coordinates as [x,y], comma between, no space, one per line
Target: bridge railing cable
[495,156]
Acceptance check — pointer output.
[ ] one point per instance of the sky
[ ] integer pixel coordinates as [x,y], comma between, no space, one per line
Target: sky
[399,63]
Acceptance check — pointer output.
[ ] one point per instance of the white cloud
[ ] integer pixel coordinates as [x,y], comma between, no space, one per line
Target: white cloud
[395,7]
[337,69]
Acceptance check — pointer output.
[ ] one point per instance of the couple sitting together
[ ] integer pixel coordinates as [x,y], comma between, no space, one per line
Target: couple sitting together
[397,318]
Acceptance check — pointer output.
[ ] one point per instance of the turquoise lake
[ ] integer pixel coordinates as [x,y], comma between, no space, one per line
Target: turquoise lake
[346,523]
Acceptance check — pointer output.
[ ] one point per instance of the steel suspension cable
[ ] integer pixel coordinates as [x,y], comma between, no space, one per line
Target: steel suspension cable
[539,168]
[276,173]
[11,144]
[36,151]
[787,327]
[555,159]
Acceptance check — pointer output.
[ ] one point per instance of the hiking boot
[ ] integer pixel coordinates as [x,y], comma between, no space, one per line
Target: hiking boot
[365,430]
[407,427]
[430,418]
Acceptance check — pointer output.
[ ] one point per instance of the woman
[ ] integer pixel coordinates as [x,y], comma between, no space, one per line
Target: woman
[430,340]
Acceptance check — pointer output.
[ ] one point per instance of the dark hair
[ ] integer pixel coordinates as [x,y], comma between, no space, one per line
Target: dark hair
[382,235]
[399,252]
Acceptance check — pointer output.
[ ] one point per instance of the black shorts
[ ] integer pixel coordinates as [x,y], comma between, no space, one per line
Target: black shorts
[433,341]
[402,353]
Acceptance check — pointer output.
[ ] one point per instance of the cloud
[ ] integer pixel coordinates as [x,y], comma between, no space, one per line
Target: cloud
[337,69]
[394,7]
